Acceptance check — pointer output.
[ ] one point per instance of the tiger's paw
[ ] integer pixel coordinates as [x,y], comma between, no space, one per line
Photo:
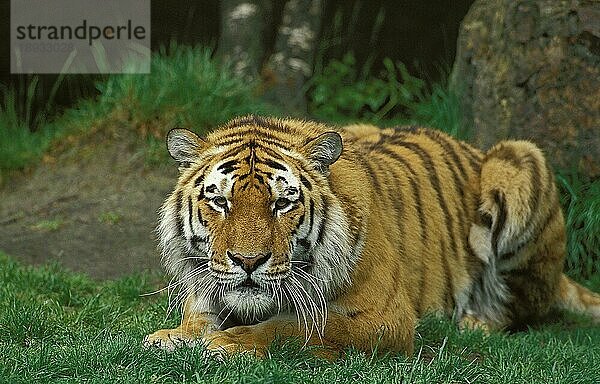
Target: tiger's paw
[169,340]
[473,323]
[224,344]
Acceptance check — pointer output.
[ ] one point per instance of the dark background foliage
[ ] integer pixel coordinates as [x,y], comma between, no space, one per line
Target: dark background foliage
[420,33]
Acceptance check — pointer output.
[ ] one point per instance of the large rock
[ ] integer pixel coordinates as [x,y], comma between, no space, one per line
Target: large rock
[531,69]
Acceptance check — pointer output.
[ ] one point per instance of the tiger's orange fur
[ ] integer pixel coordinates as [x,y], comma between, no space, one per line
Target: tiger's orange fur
[343,237]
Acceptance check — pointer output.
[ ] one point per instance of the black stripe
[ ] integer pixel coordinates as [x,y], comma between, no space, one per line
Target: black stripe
[227,141]
[534,199]
[448,277]
[443,141]
[415,189]
[273,164]
[300,221]
[259,178]
[373,176]
[188,177]
[407,129]
[228,166]
[201,219]
[485,219]
[178,219]
[506,153]
[190,214]
[311,218]
[306,183]
[541,226]
[304,243]
[232,151]
[256,121]
[198,181]
[271,152]
[459,182]
[398,200]
[322,225]
[554,211]
[262,140]
[211,188]
[435,183]
[195,240]
[459,177]
[252,156]
[398,204]
[474,157]
[500,220]
[266,174]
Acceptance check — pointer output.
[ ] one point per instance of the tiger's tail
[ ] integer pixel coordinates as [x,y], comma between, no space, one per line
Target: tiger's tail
[573,297]
[520,235]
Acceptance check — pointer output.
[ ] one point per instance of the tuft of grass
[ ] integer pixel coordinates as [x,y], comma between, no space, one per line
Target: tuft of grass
[110,218]
[440,108]
[60,326]
[340,92]
[19,147]
[48,225]
[580,199]
[186,88]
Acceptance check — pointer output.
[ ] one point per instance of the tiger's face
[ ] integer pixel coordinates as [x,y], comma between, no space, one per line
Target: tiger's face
[252,207]
[247,220]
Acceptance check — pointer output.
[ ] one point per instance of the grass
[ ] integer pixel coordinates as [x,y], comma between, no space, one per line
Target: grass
[59,326]
[19,147]
[187,88]
[48,225]
[581,206]
[342,93]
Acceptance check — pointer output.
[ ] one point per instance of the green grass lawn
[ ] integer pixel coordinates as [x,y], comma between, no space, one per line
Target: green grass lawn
[57,326]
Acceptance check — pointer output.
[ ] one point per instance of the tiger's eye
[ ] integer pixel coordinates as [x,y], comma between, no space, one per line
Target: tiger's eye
[220,201]
[282,203]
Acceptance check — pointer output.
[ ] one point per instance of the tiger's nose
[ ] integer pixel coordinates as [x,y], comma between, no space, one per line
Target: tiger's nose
[248,262]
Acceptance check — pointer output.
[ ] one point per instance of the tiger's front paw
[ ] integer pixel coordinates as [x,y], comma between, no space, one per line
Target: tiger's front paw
[225,343]
[169,339]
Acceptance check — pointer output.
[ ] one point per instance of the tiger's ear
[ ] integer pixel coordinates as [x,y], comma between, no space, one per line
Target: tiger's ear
[324,150]
[184,146]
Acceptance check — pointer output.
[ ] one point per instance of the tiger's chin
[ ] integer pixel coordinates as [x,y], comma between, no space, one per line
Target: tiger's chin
[250,304]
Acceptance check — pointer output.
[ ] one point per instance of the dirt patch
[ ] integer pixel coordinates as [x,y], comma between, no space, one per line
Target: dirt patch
[93,211]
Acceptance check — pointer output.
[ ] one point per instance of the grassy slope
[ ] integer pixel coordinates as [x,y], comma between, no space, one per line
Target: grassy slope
[187,88]
[58,326]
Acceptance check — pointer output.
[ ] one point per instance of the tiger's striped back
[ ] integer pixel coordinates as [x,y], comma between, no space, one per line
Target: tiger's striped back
[429,182]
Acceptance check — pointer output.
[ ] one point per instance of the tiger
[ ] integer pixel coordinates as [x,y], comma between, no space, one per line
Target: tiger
[347,236]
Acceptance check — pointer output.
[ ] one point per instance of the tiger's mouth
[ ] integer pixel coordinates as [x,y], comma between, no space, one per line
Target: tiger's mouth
[249,283]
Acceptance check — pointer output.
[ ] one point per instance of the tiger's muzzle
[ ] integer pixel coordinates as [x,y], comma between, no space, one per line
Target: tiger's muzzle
[249,262]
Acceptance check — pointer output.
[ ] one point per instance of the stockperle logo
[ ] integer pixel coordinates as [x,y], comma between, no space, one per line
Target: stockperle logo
[80,36]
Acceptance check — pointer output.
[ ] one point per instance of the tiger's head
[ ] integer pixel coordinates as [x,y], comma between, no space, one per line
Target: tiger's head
[252,226]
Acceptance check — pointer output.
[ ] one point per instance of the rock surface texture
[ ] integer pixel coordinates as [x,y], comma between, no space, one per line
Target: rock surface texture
[531,69]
